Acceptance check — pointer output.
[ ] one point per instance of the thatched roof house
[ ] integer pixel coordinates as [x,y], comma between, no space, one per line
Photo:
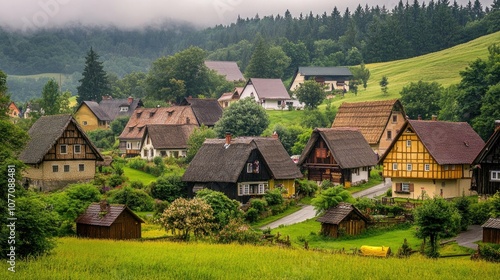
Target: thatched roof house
[242,167]
[59,152]
[340,155]
[166,140]
[487,165]
[102,220]
[342,219]
[378,121]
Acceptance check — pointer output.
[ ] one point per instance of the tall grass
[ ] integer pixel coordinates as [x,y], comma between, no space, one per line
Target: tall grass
[101,259]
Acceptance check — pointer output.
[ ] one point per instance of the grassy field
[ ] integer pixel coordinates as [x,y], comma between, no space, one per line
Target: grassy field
[101,259]
[137,175]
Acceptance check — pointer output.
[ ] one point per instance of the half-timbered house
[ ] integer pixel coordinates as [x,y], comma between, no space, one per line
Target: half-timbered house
[486,166]
[432,158]
[242,168]
[58,153]
[340,155]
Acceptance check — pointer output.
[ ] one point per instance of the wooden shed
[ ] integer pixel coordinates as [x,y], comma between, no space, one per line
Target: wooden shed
[342,219]
[105,221]
[491,231]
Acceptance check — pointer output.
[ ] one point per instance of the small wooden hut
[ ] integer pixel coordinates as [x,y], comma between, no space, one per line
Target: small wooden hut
[491,231]
[344,218]
[105,221]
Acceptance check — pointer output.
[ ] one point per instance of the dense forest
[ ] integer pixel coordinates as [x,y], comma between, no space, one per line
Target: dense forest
[367,34]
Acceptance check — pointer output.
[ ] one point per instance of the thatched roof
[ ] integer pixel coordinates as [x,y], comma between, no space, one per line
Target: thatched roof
[492,223]
[134,130]
[207,110]
[44,134]
[347,146]
[447,142]
[488,149]
[229,69]
[269,88]
[93,215]
[169,136]
[369,117]
[337,214]
[217,162]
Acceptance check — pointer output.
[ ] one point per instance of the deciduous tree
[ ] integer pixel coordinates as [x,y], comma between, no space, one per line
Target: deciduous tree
[243,118]
[421,98]
[311,93]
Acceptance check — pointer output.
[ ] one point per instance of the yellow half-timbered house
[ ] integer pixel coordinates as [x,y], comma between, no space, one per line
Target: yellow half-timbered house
[430,158]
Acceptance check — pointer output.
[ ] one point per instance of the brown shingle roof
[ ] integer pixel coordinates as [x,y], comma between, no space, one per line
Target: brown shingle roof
[207,110]
[492,223]
[369,117]
[216,163]
[448,142]
[269,88]
[92,217]
[229,69]
[44,134]
[336,214]
[112,107]
[169,136]
[347,145]
[143,116]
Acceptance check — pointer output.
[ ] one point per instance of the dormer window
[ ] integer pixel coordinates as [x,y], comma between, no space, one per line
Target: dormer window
[124,109]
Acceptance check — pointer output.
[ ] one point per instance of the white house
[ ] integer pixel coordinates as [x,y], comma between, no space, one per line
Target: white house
[270,93]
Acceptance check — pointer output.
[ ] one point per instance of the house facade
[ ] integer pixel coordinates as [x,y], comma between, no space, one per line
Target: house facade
[133,133]
[13,111]
[165,140]
[378,121]
[58,153]
[229,98]
[340,155]
[432,158]
[269,93]
[486,166]
[242,168]
[333,78]
[91,115]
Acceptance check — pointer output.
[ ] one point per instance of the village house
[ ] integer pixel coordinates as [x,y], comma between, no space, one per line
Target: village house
[133,133]
[269,93]
[342,219]
[91,115]
[105,221]
[333,78]
[242,168]
[340,155]
[378,121]
[229,69]
[58,153]
[166,140]
[432,158]
[13,111]
[228,98]
[206,110]
[486,166]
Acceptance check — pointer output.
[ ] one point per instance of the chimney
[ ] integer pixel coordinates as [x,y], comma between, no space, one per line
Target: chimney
[130,99]
[434,117]
[228,138]
[497,124]
[104,206]
[419,117]
[275,135]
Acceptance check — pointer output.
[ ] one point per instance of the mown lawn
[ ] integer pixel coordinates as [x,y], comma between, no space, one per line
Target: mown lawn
[136,175]
[101,259]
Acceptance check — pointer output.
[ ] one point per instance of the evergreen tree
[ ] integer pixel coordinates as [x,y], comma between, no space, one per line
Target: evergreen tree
[260,64]
[51,99]
[94,83]
[383,84]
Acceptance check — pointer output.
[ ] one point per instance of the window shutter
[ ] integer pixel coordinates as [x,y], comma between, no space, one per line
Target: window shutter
[411,187]
[399,187]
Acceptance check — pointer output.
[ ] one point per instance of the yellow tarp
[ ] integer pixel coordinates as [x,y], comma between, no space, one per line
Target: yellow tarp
[375,251]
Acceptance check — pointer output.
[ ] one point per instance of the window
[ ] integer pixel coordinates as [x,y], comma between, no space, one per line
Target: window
[427,167]
[77,149]
[129,146]
[84,122]
[408,167]
[66,168]
[253,188]
[81,167]
[138,145]
[408,143]
[394,166]
[452,167]
[279,102]
[124,109]
[389,134]
[365,168]
[249,167]
[495,175]
[446,167]
[55,168]
[405,187]
[145,153]
[63,149]
[394,118]
[355,171]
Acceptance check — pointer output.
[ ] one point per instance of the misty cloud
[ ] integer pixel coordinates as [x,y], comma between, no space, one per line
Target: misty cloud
[33,14]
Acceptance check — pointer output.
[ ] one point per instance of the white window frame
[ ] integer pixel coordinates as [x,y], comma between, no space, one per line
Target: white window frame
[408,143]
[75,149]
[495,175]
[123,109]
[394,166]
[129,146]
[405,187]
[65,149]
[427,167]
[258,187]
[249,167]
[409,167]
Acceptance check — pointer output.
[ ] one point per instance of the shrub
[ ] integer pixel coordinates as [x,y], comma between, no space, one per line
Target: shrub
[137,163]
[115,180]
[168,188]
[330,198]
[137,185]
[405,250]
[224,208]
[388,193]
[325,184]
[137,200]
[479,213]
[258,204]
[237,231]
[306,187]
[463,206]
[490,252]
[273,197]
[252,215]
[160,207]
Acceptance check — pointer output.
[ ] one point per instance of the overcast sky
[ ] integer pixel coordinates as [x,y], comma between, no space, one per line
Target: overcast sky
[30,14]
